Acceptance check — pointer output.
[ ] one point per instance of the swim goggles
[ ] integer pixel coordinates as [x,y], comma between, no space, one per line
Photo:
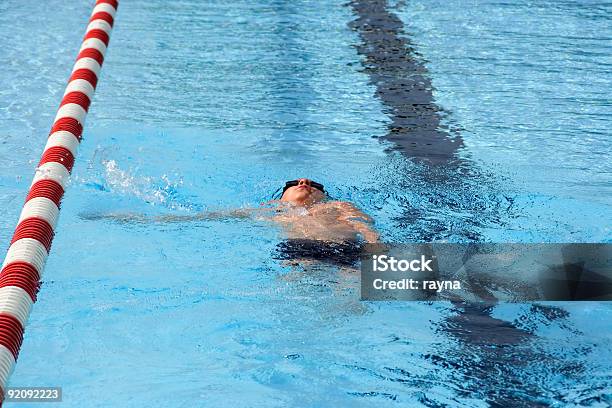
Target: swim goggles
[294,183]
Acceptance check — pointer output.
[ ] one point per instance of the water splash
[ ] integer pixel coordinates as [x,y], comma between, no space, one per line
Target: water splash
[106,175]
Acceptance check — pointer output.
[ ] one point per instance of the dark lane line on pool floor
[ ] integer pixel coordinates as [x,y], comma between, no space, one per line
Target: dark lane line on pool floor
[404,87]
[402,84]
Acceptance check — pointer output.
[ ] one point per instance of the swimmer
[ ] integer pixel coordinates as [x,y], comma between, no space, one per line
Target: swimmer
[304,211]
[315,227]
[318,229]
[308,214]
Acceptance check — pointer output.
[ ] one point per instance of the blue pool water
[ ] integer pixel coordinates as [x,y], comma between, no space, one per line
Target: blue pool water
[211,105]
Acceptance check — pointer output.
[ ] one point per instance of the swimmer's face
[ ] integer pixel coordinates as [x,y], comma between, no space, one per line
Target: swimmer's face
[303,193]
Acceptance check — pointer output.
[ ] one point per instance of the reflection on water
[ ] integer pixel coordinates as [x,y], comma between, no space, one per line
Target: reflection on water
[290,96]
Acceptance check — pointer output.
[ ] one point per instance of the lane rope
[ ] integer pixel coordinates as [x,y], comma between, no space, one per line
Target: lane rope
[23,265]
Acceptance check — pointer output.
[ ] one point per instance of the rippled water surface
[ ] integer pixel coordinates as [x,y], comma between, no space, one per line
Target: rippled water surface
[457,121]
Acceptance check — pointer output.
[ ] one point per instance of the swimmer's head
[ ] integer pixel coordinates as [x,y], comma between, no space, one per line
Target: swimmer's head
[303,192]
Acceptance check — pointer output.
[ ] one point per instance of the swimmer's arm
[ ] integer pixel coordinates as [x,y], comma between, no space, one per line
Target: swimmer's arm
[240,213]
[362,223]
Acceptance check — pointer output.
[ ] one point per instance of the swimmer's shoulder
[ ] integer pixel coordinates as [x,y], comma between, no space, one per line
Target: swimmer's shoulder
[340,205]
[330,207]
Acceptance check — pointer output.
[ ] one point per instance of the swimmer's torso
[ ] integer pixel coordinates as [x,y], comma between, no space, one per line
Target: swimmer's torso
[318,222]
